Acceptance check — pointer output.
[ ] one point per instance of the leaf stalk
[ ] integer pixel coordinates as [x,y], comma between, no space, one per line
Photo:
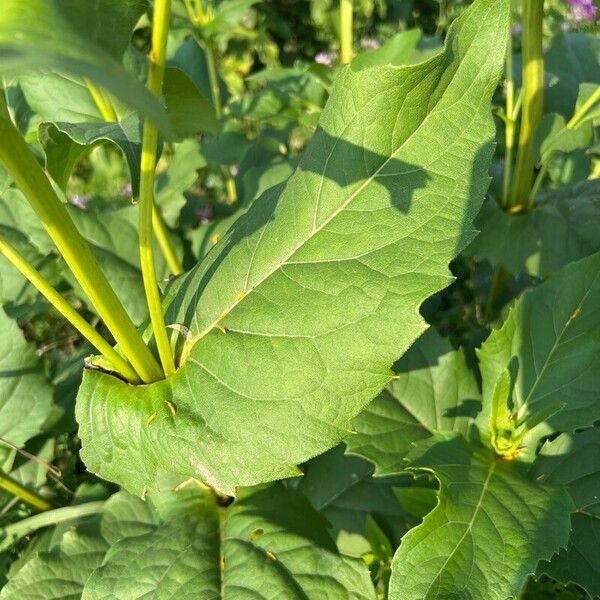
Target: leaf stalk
[15,531]
[8,484]
[31,179]
[67,311]
[160,29]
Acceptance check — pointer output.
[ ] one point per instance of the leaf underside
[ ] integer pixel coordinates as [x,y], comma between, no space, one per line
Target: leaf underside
[298,313]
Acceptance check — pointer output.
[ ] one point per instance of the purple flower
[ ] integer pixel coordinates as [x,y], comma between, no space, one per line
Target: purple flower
[205,214]
[127,190]
[583,10]
[326,58]
[367,43]
[80,201]
[517,29]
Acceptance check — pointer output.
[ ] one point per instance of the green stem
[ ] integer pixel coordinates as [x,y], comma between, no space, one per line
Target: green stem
[67,311]
[213,78]
[533,97]
[102,102]
[8,484]
[160,29]
[30,178]
[215,91]
[162,235]
[15,531]
[345,31]
[509,123]
[160,231]
[575,120]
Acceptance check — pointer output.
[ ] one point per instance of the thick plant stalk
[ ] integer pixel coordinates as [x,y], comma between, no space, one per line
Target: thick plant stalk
[31,179]
[533,98]
[345,31]
[8,484]
[160,28]
[67,311]
[575,120]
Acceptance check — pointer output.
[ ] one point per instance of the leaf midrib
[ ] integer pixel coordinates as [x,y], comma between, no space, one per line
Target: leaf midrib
[555,345]
[469,527]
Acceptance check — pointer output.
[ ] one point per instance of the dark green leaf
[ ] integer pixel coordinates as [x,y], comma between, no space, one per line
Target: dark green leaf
[561,228]
[574,460]
[491,527]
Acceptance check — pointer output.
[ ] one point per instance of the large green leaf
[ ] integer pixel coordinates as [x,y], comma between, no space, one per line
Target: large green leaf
[432,391]
[318,285]
[25,394]
[81,39]
[549,348]
[491,527]
[561,227]
[574,460]
[259,548]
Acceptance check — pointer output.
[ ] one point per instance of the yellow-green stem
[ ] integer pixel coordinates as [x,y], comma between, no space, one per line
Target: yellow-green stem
[118,363]
[31,179]
[533,97]
[213,77]
[575,120]
[215,91]
[102,102]
[8,484]
[160,29]
[108,113]
[509,126]
[345,31]
[162,235]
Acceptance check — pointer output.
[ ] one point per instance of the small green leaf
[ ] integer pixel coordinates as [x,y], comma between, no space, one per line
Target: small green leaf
[189,112]
[395,51]
[66,143]
[491,527]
